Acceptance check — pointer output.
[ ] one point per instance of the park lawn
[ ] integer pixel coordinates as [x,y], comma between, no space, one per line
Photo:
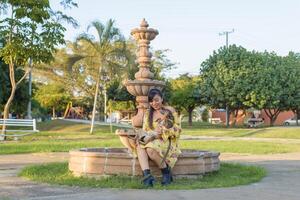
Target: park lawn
[72,135]
[239,146]
[216,132]
[278,132]
[68,126]
[229,175]
[55,145]
[64,145]
[203,129]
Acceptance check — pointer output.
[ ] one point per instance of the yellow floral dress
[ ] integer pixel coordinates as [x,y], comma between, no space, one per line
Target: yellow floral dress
[161,145]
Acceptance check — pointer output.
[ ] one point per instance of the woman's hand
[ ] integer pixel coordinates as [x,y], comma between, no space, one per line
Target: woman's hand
[158,130]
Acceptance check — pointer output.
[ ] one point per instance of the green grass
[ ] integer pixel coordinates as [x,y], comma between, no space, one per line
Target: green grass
[236,146]
[249,147]
[229,175]
[217,132]
[206,129]
[63,136]
[55,145]
[67,126]
[278,132]
[201,125]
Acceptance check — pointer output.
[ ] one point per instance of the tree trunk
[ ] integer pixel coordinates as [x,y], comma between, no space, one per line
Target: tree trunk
[53,112]
[227,116]
[236,112]
[12,94]
[190,111]
[272,115]
[296,113]
[95,101]
[227,113]
[297,116]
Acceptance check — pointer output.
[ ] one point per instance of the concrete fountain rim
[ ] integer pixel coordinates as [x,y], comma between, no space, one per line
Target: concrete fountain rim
[123,152]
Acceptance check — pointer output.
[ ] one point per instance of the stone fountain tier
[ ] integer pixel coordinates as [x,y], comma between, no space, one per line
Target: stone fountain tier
[94,162]
[142,87]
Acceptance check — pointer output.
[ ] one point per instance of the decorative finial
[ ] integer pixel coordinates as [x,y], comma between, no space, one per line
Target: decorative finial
[144,23]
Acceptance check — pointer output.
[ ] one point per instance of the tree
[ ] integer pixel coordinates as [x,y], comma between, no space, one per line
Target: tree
[117,92]
[31,30]
[276,85]
[185,94]
[241,79]
[53,97]
[21,96]
[108,53]
[205,115]
[161,63]
[293,63]
[120,105]
[224,81]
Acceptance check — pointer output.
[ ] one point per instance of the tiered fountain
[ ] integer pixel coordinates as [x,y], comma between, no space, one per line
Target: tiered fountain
[143,82]
[108,161]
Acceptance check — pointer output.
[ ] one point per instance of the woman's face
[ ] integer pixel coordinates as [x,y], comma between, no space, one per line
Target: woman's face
[156,103]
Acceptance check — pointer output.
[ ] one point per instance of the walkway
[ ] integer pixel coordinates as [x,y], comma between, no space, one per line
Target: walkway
[282,182]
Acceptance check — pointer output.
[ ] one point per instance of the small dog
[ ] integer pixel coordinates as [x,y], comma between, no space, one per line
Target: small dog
[165,122]
[143,137]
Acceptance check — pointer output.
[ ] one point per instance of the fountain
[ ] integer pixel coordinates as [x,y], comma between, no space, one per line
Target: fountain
[109,161]
[143,82]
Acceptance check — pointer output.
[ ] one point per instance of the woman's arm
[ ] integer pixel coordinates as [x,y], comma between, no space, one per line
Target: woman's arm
[175,130]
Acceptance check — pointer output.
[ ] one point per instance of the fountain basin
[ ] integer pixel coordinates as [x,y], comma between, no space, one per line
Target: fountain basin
[94,162]
[142,87]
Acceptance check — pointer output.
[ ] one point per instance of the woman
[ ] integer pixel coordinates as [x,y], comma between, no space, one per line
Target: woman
[161,141]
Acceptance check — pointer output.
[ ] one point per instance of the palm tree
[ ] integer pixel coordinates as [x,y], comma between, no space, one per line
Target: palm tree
[107,53]
[81,63]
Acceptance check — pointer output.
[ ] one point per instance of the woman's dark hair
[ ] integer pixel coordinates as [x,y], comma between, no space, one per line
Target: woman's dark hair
[152,93]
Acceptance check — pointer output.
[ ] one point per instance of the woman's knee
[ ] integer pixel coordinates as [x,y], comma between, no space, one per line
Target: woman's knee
[151,152]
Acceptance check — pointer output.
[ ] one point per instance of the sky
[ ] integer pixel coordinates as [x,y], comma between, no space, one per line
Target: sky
[190,28]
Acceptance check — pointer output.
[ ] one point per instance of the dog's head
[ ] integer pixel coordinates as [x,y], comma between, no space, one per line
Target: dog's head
[167,119]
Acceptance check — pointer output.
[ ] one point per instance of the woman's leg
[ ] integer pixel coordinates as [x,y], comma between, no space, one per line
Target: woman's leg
[165,169]
[154,155]
[143,158]
[148,179]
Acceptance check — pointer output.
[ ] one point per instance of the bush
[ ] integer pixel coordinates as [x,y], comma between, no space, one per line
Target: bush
[204,115]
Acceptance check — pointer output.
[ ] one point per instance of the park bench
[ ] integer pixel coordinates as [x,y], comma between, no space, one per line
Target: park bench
[215,120]
[125,120]
[254,122]
[22,123]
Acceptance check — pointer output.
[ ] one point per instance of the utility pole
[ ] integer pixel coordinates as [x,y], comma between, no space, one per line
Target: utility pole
[29,116]
[226,33]
[29,109]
